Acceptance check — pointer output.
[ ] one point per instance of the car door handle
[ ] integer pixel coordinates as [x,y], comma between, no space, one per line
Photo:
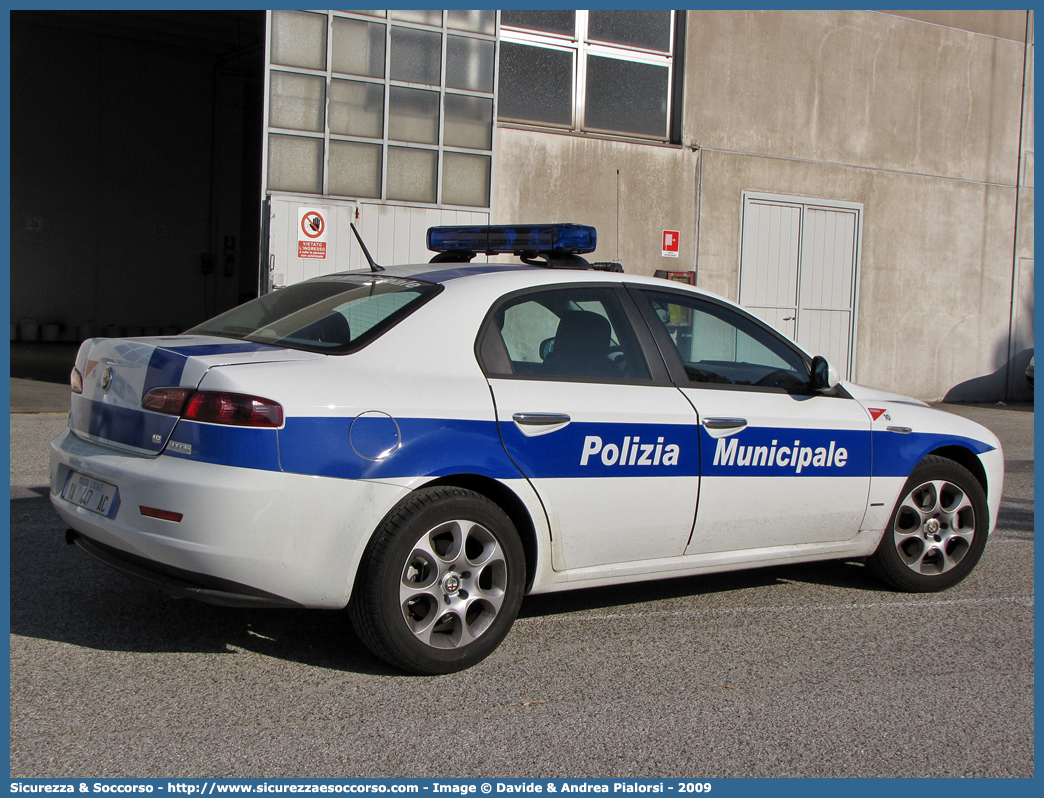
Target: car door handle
[901,430]
[724,423]
[540,419]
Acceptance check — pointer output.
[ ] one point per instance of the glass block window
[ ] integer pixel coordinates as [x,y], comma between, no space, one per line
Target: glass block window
[295,163]
[389,105]
[484,21]
[298,39]
[416,55]
[602,71]
[297,101]
[358,47]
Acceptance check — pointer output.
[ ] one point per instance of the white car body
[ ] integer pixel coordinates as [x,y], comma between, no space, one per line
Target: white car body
[283,516]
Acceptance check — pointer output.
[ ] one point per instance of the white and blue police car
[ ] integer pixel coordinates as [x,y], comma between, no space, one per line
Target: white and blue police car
[426,444]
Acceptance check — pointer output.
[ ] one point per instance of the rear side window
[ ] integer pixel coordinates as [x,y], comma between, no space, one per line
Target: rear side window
[567,333]
[334,315]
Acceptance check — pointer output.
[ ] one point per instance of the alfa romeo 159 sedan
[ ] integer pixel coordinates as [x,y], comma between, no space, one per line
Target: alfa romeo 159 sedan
[427,444]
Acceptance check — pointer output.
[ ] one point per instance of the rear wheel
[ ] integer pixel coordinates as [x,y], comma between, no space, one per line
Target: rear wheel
[440,583]
[937,531]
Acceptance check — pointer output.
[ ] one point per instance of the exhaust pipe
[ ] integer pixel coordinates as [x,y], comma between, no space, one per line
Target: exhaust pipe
[70,536]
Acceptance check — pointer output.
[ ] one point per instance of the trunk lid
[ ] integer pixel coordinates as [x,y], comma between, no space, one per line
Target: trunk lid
[118,372]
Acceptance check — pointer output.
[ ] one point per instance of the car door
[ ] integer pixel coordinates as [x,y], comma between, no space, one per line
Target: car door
[780,464]
[588,413]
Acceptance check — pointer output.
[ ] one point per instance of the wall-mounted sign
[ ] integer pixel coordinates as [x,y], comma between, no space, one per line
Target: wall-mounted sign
[671,240]
[311,234]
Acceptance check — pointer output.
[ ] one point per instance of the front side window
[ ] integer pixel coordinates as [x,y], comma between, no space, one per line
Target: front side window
[333,315]
[570,333]
[720,346]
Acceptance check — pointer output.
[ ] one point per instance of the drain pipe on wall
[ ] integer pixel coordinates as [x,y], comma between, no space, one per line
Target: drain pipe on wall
[1013,343]
[699,195]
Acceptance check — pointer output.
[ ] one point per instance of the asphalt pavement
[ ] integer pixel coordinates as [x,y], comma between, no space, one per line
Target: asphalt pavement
[812,670]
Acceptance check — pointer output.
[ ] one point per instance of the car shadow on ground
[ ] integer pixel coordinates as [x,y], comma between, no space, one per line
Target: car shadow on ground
[1015,520]
[833,573]
[61,594]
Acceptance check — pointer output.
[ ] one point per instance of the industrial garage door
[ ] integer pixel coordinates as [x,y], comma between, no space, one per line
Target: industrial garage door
[798,271]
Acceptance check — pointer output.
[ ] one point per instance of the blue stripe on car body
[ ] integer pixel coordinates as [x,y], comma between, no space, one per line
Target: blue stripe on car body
[787,452]
[429,447]
[445,274]
[756,451]
[606,450]
[121,425]
[221,444]
[437,447]
[167,363]
[896,454]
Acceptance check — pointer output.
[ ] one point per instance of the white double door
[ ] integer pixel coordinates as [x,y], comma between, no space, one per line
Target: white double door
[798,271]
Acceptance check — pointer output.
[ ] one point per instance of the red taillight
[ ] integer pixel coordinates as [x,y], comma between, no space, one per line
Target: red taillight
[166,400]
[215,407]
[219,407]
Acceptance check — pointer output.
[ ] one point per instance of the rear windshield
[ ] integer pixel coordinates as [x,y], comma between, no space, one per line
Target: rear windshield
[334,315]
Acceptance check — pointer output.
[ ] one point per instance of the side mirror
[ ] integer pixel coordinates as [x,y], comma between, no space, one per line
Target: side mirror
[823,375]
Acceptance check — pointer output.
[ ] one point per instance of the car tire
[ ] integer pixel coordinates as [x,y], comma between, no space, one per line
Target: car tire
[937,531]
[440,583]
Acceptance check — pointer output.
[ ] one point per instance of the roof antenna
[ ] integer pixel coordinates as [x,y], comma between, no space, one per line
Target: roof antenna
[373,264]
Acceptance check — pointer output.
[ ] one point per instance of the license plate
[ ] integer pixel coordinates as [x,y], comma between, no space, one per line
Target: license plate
[91,494]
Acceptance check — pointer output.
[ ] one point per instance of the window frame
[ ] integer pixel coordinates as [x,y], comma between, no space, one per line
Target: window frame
[492,356]
[582,46]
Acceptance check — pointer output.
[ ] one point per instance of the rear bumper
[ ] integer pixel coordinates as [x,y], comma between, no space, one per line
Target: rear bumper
[176,582]
[286,537]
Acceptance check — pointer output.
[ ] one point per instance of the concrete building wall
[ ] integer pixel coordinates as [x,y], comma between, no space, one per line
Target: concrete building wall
[935,268]
[921,116]
[1002,24]
[918,121]
[855,88]
[630,192]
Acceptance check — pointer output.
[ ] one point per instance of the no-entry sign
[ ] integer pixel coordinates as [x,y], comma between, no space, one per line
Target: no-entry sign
[311,234]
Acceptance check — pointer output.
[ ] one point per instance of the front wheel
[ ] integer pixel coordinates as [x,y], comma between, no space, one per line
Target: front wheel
[440,583]
[937,531]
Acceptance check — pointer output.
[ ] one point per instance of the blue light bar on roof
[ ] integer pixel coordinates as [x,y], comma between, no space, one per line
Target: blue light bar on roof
[513,238]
